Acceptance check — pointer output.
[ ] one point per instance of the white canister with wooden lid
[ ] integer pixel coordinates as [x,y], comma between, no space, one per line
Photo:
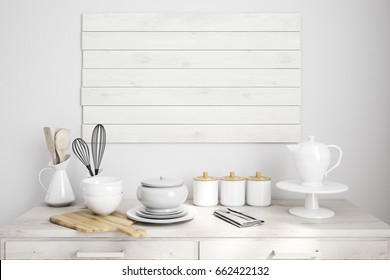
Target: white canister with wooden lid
[205,190]
[233,190]
[258,190]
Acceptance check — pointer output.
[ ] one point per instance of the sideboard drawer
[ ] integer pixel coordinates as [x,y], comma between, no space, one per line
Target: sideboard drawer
[293,249]
[90,249]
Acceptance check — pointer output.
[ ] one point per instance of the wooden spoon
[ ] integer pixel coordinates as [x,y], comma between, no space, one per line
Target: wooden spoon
[61,143]
[50,144]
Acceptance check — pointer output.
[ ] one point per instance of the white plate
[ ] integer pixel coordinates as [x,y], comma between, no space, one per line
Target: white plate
[192,212]
[156,216]
[145,210]
[162,211]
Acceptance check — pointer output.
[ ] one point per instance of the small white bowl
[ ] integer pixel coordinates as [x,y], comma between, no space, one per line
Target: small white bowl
[103,205]
[101,186]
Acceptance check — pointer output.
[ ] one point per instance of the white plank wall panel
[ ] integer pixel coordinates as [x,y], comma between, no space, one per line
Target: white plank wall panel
[191,22]
[190,96]
[192,77]
[191,114]
[199,133]
[192,59]
[191,40]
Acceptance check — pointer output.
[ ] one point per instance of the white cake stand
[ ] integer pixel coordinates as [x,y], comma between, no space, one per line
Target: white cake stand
[311,209]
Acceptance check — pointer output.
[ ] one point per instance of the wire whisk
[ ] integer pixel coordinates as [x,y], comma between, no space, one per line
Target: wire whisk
[98,145]
[81,150]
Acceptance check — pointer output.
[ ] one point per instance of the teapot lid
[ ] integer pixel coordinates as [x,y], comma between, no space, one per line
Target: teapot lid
[205,177]
[258,177]
[311,142]
[233,177]
[162,182]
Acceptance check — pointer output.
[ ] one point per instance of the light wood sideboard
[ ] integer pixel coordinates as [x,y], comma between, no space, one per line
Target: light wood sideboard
[351,234]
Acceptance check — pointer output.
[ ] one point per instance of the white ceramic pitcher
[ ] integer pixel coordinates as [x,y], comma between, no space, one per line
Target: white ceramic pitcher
[312,160]
[59,193]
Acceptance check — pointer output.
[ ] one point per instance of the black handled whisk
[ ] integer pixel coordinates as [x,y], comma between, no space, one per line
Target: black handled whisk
[98,144]
[81,150]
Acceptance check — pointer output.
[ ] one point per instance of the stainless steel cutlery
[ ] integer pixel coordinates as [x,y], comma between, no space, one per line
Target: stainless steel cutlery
[237,218]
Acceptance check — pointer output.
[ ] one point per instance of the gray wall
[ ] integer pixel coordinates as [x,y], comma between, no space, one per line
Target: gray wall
[346,66]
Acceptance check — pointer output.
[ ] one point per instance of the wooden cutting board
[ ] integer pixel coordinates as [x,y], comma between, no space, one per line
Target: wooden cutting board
[85,221]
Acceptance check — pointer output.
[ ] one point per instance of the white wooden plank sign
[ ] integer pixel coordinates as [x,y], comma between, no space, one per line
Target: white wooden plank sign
[192,77]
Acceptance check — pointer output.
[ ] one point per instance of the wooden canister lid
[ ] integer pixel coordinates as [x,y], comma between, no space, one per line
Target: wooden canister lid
[233,177]
[259,177]
[205,177]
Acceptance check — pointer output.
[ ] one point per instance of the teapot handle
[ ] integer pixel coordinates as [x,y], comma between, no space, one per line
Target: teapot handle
[338,161]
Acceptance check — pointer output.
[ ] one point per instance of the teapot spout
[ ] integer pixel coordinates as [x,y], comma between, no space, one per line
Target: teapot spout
[292,148]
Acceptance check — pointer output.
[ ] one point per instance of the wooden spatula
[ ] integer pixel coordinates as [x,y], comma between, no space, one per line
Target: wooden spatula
[61,143]
[50,144]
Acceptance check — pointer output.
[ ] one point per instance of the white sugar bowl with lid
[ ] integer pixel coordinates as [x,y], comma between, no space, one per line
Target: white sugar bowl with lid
[205,190]
[258,190]
[232,190]
[162,194]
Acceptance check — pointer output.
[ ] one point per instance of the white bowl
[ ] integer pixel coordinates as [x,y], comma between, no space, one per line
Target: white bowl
[162,195]
[101,186]
[103,205]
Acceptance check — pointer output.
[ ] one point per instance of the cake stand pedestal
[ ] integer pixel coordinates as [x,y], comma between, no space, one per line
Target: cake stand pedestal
[311,209]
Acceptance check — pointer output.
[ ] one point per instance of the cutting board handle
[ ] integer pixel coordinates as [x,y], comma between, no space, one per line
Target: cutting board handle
[133,232]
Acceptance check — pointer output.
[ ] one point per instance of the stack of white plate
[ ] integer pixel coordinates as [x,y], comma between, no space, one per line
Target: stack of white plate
[162,202]
[163,216]
[149,213]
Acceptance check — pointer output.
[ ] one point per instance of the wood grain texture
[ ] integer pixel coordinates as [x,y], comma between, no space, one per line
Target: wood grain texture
[191,40]
[190,96]
[191,114]
[199,133]
[191,22]
[192,77]
[125,248]
[87,222]
[191,59]
[351,234]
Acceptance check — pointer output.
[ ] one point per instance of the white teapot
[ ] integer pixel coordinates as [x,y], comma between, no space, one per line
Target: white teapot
[312,160]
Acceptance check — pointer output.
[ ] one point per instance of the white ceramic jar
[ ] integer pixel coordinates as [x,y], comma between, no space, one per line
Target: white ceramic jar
[162,193]
[232,190]
[258,190]
[205,190]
